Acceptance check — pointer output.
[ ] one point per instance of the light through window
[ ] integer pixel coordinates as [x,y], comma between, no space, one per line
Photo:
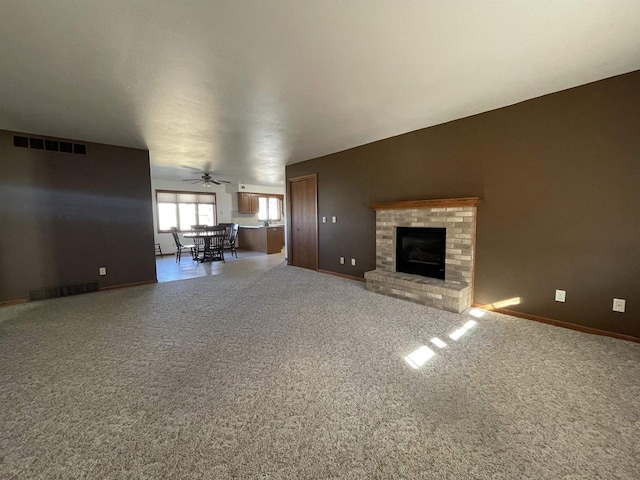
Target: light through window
[269,208]
[461,331]
[263,208]
[274,208]
[167,216]
[183,209]
[419,357]
[206,214]
[186,215]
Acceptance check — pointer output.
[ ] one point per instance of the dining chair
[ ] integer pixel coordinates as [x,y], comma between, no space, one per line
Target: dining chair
[216,242]
[180,246]
[232,239]
[229,229]
[199,242]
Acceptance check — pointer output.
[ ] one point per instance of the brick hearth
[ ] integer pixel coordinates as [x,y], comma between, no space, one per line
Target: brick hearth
[458,216]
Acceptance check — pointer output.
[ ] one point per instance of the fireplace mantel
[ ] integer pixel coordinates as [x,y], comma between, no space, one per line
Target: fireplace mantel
[435,203]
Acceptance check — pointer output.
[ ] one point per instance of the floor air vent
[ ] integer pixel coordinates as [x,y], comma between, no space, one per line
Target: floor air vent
[67,290]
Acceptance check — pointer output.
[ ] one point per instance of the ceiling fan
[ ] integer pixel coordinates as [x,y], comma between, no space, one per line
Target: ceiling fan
[206,178]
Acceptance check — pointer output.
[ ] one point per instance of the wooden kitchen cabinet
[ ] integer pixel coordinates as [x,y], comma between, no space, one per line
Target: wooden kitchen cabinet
[248,202]
[261,239]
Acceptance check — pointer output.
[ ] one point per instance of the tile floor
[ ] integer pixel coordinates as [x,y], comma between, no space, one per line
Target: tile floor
[168,270]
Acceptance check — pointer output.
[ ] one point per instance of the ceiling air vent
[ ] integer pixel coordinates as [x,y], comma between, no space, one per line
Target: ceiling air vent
[49,145]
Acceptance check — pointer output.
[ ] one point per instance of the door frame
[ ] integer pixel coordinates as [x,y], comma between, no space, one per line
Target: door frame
[314,177]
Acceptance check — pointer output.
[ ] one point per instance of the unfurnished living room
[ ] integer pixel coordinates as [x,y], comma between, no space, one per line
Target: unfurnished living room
[319,240]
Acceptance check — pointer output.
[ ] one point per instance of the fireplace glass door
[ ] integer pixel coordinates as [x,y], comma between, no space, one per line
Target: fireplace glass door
[421,251]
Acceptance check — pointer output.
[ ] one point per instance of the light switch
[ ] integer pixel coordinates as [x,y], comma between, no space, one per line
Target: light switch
[324,219]
[334,219]
[561,295]
[103,271]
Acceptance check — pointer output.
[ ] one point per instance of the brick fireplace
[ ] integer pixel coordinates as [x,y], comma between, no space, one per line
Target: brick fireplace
[458,217]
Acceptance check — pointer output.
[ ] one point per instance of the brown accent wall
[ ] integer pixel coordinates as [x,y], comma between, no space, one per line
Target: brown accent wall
[62,216]
[559,178]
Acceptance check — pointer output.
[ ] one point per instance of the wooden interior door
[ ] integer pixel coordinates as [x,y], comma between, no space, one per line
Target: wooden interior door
[303,204]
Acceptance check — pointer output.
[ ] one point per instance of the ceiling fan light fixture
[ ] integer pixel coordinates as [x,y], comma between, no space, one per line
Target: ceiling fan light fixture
[207,179]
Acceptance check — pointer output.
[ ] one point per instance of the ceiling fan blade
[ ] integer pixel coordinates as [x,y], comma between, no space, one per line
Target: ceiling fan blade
[215,181]
[223,181]
[191,179]
[191,168]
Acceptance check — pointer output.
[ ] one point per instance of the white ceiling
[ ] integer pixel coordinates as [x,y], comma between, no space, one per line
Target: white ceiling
[247,87]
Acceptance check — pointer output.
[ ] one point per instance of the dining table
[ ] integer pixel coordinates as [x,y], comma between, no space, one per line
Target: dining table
[217,234]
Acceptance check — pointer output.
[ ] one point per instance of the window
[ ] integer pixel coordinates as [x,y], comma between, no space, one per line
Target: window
[183,209]
[269,208]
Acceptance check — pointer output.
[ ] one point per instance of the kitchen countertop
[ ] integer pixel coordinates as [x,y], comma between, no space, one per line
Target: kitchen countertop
[259,226]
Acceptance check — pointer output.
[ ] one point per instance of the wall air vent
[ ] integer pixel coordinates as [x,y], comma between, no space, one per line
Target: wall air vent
[65,291]
[49,145]
[22,142]
[36,143]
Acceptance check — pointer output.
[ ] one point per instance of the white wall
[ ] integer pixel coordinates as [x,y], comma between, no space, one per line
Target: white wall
[248,218]
[223,205]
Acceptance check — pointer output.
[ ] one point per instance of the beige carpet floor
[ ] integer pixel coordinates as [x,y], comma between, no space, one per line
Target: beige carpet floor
[294,374]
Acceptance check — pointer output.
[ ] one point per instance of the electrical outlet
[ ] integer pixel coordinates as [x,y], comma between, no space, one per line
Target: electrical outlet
[334,219]
[324,219]
[103,271]
[618,305]
[341,260]
[561,295]
[353,262]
